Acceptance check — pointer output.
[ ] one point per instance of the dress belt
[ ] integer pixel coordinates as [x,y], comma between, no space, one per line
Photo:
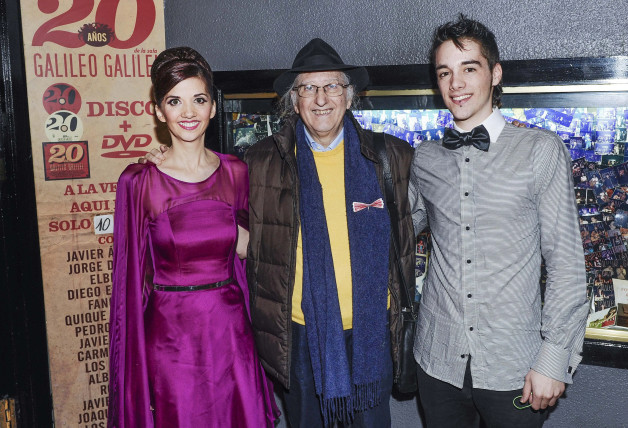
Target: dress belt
[159,287]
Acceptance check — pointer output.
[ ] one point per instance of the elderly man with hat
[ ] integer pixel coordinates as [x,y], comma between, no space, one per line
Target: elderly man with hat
[325,287]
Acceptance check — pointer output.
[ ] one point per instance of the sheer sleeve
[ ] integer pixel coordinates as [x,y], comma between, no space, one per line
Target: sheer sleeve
[239,174]
[129,398]
[242,196]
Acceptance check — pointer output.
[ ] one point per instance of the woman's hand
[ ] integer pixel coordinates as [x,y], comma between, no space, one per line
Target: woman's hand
[243,242]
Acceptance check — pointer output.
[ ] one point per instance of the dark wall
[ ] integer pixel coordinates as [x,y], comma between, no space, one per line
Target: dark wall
[254,34]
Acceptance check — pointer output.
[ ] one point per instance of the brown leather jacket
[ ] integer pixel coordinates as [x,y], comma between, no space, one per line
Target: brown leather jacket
[274,226]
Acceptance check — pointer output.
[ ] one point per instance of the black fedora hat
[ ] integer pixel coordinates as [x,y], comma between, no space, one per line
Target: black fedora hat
[319,56]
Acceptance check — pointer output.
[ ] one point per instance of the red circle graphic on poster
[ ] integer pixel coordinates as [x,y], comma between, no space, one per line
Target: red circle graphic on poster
[61,96]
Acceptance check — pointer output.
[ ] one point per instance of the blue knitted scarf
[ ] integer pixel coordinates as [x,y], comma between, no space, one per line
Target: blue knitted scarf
[344,387]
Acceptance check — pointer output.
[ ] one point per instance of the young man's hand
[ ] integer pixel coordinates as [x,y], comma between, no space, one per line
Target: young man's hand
[155,156]
[541,391]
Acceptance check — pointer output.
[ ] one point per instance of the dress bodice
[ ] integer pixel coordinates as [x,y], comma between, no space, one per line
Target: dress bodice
[191,228]
[193,243]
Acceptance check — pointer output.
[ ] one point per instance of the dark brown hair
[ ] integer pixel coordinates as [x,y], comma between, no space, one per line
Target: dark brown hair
[468,29]
[173,66]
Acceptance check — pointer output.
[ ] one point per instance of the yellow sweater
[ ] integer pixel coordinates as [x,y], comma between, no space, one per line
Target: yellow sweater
[330,167]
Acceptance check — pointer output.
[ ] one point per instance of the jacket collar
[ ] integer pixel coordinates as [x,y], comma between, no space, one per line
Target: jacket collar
[285,139]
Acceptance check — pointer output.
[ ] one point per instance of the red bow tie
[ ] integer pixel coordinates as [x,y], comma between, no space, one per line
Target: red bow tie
[359,206]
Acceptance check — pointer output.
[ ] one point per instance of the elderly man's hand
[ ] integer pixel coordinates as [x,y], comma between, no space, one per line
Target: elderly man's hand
[519,124]
[156,156]
[541,391]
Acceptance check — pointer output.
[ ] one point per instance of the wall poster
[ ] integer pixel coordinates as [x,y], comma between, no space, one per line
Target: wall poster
[88,80]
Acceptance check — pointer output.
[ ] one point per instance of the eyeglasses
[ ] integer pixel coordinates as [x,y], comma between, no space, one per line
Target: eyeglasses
[309,91]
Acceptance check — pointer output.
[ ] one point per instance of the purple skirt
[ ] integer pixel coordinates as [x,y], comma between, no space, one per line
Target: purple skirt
[202,367]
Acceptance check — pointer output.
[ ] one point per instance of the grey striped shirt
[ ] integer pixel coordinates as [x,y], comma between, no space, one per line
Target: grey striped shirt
[493,215]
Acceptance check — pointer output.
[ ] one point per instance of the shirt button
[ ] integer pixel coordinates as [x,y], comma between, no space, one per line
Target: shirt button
[469,295]
[467,159]
[470,328]
[469,261]
[466,193]
[468,228]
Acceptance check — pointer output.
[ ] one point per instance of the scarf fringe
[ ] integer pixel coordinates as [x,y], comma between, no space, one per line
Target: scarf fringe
[343,409]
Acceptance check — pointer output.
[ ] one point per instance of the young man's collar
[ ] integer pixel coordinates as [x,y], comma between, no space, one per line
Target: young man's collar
[494,124]
[318,147]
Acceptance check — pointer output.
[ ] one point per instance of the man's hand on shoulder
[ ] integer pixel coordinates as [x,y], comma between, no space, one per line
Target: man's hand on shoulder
[519,124]
[156,156]
[541,391]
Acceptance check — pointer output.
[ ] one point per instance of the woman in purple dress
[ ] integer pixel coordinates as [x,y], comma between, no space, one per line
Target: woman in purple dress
[181,346]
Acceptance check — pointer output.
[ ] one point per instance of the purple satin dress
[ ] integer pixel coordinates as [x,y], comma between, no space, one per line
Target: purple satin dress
[183,358]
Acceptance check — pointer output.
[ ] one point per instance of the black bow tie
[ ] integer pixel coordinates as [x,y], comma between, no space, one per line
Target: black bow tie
[478,137]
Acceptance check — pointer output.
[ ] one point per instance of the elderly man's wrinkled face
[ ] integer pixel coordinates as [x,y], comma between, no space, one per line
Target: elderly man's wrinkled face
[322,114]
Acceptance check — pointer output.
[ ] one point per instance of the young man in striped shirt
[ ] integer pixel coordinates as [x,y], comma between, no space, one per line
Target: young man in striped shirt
[498,198]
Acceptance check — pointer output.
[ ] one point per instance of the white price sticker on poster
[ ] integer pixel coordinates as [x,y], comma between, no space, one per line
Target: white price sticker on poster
[103,224]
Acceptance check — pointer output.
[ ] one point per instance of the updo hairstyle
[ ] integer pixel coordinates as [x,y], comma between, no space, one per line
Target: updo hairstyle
[173,66]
